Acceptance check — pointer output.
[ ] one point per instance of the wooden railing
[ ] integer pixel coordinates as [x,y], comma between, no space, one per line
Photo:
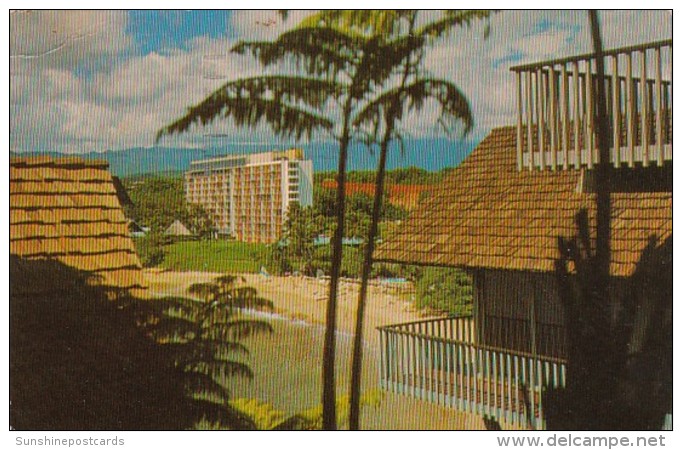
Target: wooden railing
[556,106]
[441,362]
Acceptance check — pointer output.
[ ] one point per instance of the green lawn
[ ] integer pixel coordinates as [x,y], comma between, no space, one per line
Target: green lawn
[215,256]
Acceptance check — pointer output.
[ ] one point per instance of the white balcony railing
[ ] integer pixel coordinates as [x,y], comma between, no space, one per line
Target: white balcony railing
[556,105]
[440,361]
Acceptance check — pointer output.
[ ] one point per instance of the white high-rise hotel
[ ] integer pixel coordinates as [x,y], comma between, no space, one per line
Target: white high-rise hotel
[249,195]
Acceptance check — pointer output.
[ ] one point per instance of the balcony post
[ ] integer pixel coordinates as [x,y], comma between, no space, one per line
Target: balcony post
[519,122]
[539,97]
[644,119]
[564,114]
[659,109]
[589,112]
[576,116]
[529,117]
[616,112]
[552,116]
[630,90]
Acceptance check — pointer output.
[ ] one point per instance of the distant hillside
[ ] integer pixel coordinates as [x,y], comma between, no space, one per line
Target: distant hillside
[429,154]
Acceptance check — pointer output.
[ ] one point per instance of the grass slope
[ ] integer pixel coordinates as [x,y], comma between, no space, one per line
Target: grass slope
[215,256]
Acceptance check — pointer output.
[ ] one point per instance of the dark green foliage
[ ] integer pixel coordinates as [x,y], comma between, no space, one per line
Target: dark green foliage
[160,200]
[413,96]
[277,261]
[150,249]
[402,176]
[269,99]
[300,229]
[324,201]
[205,337]
[350,266]
[445,289]
[200,221]
[359,207]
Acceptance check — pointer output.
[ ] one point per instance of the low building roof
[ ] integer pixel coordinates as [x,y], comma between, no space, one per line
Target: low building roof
[177,228]
[66,210]
[488,214]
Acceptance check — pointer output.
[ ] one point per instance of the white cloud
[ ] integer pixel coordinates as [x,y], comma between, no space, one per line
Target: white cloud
[67,38]
[76,86]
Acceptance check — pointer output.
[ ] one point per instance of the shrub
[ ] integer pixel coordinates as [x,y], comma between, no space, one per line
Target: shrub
[445,289]
[150,249]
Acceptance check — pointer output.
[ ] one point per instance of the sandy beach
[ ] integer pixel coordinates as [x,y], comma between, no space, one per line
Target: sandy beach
[304,298]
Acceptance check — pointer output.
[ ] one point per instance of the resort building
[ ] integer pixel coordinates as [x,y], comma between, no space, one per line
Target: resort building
[249,195]
[510,216]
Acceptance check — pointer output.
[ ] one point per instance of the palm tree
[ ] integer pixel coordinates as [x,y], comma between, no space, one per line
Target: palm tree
[204,336]
[412,90]
[342,67]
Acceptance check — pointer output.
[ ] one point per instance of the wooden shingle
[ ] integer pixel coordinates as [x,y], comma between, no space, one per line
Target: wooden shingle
[487,214]
[66,210]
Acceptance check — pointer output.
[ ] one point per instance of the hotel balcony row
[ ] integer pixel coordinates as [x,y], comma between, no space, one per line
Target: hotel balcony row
[557,103]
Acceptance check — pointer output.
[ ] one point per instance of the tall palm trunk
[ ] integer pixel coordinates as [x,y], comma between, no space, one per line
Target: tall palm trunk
[368,260]
[356,369]
[329,351]
[611,362]
[603,170]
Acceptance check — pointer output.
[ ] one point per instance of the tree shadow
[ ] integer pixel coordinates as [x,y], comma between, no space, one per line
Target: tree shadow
[619,370]
[80,361]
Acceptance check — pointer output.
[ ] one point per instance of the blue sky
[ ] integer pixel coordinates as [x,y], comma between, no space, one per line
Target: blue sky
[113,78]
[158,31]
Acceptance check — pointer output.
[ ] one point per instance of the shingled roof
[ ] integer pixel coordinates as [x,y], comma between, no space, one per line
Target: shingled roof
[67,210]
[487,214]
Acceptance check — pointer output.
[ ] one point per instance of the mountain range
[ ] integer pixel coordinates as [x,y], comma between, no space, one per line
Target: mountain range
[428,153]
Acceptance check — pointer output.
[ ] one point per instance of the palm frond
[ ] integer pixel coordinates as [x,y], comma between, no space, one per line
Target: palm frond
[220,414]
[174,329]
[248,298]
[202,384]
[319,50]
[225,282]
[383,22]
[453,103]
[297,422]
[219,369]
[275,100]
[206,291]
[383,58]
[237,329]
